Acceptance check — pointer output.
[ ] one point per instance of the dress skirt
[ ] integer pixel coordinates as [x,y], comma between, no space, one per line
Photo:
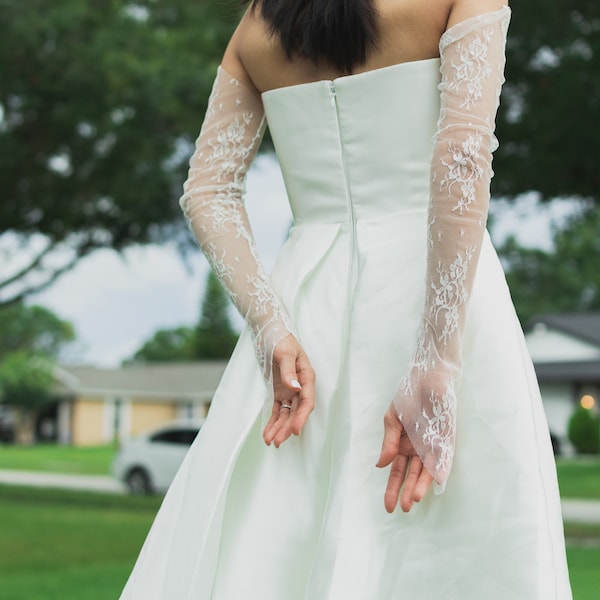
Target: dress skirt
[243,521]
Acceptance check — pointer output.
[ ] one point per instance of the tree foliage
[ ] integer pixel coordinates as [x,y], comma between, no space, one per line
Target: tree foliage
[564,279]
[26,385]
[584,431]
[30,339]
[167,345]
[214,336]
[34,330]
[25,381]
[549,119]
[99,104]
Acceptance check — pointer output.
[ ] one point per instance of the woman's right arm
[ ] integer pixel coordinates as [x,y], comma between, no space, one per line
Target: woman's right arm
[213,203]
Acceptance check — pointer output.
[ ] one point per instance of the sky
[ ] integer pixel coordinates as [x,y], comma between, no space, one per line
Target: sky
[117,302]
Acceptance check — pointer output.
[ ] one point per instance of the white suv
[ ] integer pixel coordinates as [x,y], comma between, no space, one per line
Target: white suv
[148,462]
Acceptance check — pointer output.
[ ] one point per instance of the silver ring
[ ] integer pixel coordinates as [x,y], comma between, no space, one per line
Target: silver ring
[286,406]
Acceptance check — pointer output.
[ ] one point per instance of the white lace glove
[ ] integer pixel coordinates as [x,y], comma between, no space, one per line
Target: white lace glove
[214,207]
[472,69]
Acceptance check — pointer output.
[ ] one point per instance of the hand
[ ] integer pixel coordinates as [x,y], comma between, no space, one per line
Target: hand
[407,468]
[293,385]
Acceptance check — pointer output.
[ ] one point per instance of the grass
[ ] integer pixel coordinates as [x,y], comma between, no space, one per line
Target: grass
[583,572]
[94,460]
[66,545]
[579,478]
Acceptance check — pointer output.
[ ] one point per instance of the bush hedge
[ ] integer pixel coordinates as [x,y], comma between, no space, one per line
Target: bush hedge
[584,431]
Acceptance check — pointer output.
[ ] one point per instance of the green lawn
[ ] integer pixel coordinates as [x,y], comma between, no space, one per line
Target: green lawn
[583,554]
[65,545]
[583,571]
[579,478]
[93,460]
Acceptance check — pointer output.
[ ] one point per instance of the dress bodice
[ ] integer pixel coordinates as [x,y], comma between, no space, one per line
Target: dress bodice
[360,143]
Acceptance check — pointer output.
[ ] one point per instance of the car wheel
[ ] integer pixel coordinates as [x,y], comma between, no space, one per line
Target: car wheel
[138,482]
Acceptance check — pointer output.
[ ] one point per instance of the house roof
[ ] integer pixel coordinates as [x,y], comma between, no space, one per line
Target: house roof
[191,380]
[584,326]
[568,371]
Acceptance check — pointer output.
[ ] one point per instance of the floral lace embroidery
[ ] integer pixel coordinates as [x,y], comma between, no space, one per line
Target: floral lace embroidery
[472,68]
[450,294]
[213,204]
[229,151]
[223,270]
[464,169]
[441,425]
[472,63]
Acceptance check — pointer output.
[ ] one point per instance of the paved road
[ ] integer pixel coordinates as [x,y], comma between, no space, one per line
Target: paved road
[96,483]
[575,511]
[581,511]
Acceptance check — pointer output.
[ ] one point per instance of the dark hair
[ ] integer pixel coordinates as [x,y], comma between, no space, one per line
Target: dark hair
[340,32]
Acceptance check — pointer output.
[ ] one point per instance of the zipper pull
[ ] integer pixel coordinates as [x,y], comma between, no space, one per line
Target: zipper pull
[332,92]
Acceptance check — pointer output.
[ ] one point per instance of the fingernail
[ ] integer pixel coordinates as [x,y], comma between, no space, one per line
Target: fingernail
[296,384]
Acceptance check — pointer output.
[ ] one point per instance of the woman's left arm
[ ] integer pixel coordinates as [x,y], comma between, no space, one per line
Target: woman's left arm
[472,69]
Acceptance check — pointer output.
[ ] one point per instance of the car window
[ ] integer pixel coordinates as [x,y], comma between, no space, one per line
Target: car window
[175,436]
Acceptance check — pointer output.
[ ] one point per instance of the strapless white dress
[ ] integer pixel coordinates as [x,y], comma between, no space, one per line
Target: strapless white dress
[243,521]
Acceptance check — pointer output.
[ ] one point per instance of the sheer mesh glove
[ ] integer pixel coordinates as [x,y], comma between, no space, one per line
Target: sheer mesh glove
[472,74]
[213,203]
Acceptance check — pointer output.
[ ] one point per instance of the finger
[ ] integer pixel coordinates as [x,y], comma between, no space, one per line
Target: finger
[279,415]
[283,424]
[306,402]
[391,439]
[287,371]
[268,433]
[412,476]
[395,481]
[422,486]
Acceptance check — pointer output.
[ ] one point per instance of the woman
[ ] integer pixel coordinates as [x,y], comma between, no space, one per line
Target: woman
[389,287]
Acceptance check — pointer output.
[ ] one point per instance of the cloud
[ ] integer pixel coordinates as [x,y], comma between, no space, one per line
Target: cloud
[116,302]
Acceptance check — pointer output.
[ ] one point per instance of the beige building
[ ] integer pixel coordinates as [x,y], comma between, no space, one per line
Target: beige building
[98,406]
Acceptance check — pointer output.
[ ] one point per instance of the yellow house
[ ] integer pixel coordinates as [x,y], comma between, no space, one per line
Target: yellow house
[98,406]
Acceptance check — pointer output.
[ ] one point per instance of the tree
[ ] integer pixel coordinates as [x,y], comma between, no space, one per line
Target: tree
[167,345]
[34,330]
[567,278]
[214,336]
[30,338]
[25,384]
[99,104]
[548,126]
[549,118]
[584,431]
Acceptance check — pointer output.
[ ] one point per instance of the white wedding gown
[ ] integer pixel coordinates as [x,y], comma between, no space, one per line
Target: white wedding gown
[243,521]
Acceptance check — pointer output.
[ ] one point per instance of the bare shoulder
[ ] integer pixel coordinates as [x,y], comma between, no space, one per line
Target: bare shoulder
[253,53]
[249,39]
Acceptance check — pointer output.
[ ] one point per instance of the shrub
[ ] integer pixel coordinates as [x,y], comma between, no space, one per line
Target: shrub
[584,431]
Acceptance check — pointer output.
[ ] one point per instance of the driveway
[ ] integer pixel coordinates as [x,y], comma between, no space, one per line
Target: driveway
[581,511]
[574,511]
[94,483]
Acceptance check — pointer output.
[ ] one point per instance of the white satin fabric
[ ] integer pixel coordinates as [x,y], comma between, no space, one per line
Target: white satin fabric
[243,521]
